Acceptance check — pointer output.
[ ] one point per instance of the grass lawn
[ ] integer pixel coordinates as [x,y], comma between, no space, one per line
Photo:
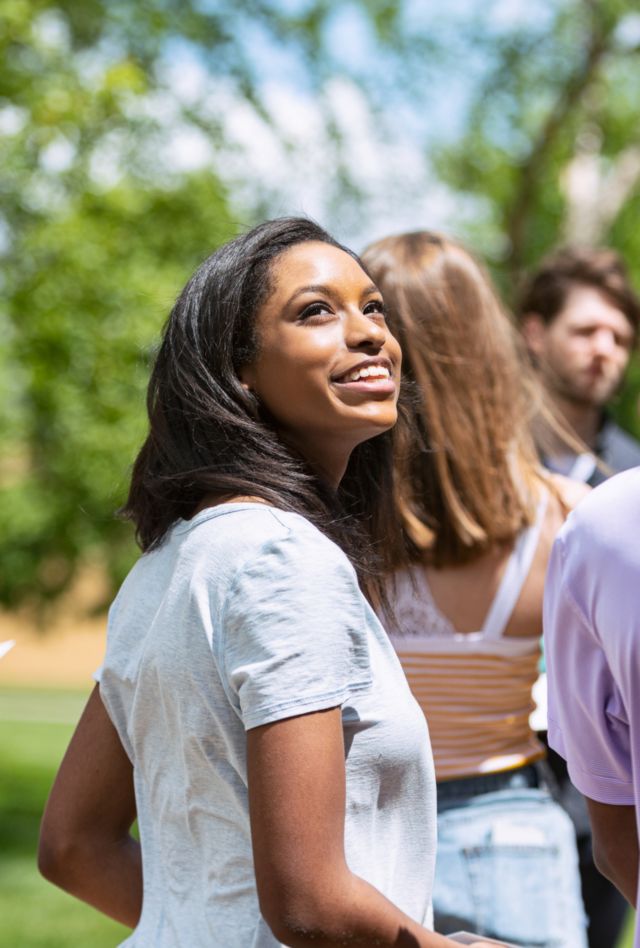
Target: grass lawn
[35,727]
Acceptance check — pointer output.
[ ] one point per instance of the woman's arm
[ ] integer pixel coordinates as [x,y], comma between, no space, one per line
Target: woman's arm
[308,896]
[615,845]
[85,845]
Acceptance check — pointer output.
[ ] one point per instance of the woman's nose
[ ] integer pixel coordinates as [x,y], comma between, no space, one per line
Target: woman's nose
[362,331]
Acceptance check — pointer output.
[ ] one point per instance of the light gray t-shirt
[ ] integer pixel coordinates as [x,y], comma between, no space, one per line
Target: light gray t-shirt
[245,615]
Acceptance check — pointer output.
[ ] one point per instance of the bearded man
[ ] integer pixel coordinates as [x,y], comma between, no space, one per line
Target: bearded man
[580,317]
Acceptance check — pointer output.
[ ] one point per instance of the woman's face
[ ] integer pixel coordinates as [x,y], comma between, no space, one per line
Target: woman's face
[327,369]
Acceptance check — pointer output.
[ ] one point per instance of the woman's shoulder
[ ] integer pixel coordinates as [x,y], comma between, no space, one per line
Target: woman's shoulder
[569,492]
[564,495]
[245,531]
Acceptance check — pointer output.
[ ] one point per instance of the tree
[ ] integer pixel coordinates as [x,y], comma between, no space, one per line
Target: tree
[90,267]
[552,137]
[552,144]
[89,289]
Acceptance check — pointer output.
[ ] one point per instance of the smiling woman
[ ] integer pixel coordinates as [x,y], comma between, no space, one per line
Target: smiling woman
[251,710]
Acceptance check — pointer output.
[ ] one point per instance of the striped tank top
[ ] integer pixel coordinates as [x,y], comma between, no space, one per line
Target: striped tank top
[473,687]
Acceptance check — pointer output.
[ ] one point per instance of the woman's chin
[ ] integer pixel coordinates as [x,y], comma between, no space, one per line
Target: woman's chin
[377,423]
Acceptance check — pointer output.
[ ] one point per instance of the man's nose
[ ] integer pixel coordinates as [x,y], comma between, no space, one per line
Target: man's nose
[604,342]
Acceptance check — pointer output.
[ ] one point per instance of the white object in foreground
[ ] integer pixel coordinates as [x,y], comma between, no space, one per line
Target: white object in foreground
[467,938]
[6,647]
[538,717]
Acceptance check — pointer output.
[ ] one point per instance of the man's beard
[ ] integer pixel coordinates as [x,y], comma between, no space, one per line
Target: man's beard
[594,396]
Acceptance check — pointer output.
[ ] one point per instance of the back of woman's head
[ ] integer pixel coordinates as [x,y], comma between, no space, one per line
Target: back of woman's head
[465,458]
[209,435]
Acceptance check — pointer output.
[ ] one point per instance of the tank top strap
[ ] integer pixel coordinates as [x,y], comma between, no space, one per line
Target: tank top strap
[515,574]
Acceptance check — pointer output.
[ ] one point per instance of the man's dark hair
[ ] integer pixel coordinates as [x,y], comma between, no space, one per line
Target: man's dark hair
[209,436]
[545,292]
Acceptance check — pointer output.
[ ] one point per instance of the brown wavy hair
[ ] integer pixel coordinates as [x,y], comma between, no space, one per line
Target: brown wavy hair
[546,290]
[467,472]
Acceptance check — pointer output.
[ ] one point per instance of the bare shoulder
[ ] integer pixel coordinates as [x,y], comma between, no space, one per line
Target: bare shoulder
[564,496]
[569,492]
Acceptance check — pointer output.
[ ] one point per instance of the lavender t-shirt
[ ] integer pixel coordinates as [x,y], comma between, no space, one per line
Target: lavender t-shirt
[592,643]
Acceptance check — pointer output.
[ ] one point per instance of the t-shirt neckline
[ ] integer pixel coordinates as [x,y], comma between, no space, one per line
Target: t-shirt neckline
[209,513]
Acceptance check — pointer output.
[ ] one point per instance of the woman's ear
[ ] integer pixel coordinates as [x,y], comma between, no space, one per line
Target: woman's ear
[247,378]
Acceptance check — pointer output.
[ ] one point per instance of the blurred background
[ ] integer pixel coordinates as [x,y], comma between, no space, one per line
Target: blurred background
[135,138]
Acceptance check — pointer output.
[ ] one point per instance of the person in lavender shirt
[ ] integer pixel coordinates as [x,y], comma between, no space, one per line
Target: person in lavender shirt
[592,642]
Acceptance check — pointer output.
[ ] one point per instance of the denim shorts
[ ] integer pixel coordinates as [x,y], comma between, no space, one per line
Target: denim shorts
[507,868]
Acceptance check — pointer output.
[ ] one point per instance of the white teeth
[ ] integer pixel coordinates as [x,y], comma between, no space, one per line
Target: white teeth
[374,371]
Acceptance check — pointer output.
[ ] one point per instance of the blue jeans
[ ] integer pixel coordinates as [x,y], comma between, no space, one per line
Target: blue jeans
[507,867]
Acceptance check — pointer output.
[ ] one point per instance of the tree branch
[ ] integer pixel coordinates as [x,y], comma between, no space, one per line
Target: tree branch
[531,170]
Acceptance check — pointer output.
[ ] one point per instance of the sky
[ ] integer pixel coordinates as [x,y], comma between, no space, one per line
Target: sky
[372,119]
[389,121]
[292,163]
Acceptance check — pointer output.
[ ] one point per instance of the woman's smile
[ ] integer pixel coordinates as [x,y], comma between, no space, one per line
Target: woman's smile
[369,377]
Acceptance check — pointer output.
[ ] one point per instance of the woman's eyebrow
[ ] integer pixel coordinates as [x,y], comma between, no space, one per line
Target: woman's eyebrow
[311,288]
[327,291]
[368,290]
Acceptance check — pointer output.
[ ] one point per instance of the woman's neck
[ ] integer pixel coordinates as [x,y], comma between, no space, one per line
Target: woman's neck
[215,500]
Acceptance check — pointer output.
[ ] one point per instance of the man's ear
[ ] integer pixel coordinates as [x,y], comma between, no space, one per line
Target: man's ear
[534,333]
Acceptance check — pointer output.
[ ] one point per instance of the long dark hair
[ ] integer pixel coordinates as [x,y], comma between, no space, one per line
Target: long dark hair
[209,436]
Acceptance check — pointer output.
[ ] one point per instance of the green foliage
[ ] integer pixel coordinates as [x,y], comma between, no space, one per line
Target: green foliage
[564,87]
[571,72]
[89,289]
[89,270]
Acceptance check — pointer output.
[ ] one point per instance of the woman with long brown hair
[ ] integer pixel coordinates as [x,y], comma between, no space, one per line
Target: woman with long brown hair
[479,516]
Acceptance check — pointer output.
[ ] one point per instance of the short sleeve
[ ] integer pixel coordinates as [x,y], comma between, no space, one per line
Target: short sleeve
[113,609]
[587,720]
[294,630]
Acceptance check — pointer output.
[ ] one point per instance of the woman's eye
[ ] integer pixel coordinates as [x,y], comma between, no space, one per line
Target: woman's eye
[375,307]
[315,309]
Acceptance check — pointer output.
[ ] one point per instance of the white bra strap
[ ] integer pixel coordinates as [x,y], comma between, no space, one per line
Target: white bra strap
[583,467]
[515,575]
